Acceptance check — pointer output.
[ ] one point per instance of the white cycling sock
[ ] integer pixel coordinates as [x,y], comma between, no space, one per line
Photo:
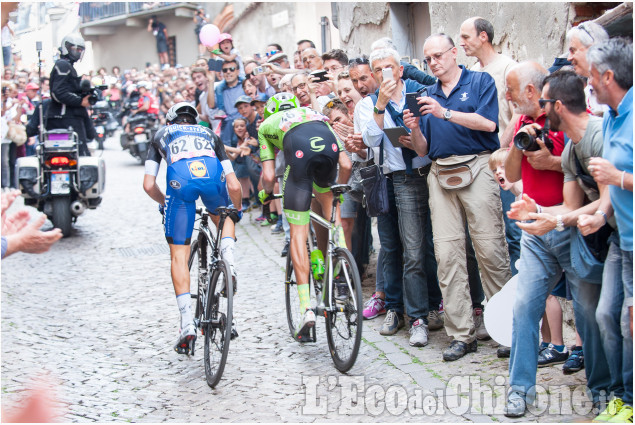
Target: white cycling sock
[227,249]
[185,308]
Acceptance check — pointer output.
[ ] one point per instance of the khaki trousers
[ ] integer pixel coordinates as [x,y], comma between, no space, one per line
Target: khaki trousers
[479,204]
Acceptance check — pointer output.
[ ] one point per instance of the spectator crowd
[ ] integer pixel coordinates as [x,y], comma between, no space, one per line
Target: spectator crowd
[504,169]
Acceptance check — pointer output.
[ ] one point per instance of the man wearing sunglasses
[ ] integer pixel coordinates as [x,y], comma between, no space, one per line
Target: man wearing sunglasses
[226,94]
[548,247]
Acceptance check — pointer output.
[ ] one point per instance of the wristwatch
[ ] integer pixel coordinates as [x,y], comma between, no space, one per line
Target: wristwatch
[559,223]
[447,115]
[379,111]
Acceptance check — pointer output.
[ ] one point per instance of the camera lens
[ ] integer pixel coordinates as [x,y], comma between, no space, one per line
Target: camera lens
[524,141]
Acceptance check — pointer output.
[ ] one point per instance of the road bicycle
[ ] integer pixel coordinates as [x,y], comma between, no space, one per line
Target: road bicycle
[214,295]
[338,293]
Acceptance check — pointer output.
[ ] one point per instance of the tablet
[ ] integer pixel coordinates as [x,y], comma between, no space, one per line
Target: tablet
[394,134]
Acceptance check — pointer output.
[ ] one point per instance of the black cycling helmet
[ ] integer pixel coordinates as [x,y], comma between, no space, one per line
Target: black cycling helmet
[182,108]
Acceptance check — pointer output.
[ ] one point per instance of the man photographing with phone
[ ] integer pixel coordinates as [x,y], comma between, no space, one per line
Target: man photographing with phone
[458,129]
[408,198]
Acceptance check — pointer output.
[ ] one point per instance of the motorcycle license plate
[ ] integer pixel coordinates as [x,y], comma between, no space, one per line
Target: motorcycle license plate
[60,183]
[99,129]
[140,138]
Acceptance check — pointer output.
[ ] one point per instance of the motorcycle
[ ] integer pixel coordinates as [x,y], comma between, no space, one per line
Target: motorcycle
[142,128]
[58,181]
[104,122]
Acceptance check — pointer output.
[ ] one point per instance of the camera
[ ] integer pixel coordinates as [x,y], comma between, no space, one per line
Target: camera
[526,142]
[93,92]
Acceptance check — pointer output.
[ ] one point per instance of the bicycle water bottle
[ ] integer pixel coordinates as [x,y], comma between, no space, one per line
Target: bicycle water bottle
[317,264]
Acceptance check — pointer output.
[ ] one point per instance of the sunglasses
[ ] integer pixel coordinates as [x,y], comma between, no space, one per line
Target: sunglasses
[344,74]
[543,102]
[583,28]
[230,69]
[362,60]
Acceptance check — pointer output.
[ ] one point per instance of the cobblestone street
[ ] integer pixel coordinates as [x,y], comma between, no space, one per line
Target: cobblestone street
[97,314]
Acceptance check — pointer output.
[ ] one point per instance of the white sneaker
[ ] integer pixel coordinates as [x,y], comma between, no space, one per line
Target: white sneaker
[419,334]
[186,340]
[308,321]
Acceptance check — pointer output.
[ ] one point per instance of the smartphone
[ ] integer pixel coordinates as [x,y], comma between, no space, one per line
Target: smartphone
[387,74]
[320,75]
[393,135]
[258,70]
[411,101]
[215,65]
[257,56]
[38,46]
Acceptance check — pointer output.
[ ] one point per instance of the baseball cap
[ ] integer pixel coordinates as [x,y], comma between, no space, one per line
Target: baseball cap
[276,57]
[557,64]
[260,98]
[32,86]
[243,99]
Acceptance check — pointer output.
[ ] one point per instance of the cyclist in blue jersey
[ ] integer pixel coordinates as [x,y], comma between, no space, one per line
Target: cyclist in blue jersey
[197,166]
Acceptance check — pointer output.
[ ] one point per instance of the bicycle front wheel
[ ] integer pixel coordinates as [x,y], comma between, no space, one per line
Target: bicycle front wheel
[217,325]
[344,322]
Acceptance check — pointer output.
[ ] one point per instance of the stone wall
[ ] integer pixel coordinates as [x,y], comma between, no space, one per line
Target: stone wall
[524,31]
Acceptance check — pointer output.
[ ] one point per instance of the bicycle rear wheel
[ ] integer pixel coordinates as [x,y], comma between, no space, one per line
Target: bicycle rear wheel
[198,264]
[344,323]
[217,325]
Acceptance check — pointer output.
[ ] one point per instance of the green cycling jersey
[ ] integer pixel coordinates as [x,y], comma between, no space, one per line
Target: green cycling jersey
[272,130]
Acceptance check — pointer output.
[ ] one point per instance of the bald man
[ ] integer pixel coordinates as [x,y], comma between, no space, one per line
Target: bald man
[476,37]
[312,59]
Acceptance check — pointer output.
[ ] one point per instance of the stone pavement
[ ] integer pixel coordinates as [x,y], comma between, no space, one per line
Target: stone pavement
[97,315]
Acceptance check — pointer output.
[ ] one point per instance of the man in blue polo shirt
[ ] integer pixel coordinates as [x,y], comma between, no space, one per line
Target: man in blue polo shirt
[459,125]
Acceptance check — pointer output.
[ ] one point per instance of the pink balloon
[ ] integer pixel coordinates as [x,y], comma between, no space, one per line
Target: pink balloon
[209,35]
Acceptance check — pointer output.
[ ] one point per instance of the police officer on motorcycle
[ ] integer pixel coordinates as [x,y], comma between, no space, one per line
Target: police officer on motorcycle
[68,108]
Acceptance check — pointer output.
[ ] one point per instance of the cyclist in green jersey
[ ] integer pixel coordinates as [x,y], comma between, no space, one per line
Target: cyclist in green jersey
[312,152]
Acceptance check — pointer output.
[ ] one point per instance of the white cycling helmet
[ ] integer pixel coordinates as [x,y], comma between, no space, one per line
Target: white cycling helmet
[181,108]
[73,46]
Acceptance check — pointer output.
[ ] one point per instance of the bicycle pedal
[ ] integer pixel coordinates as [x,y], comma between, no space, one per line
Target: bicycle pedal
[234,334]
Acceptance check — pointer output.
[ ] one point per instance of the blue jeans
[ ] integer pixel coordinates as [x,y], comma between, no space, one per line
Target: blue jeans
[609,314]
[512,232]
[542,260]
[379,283]
[388,230]
[411,196]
